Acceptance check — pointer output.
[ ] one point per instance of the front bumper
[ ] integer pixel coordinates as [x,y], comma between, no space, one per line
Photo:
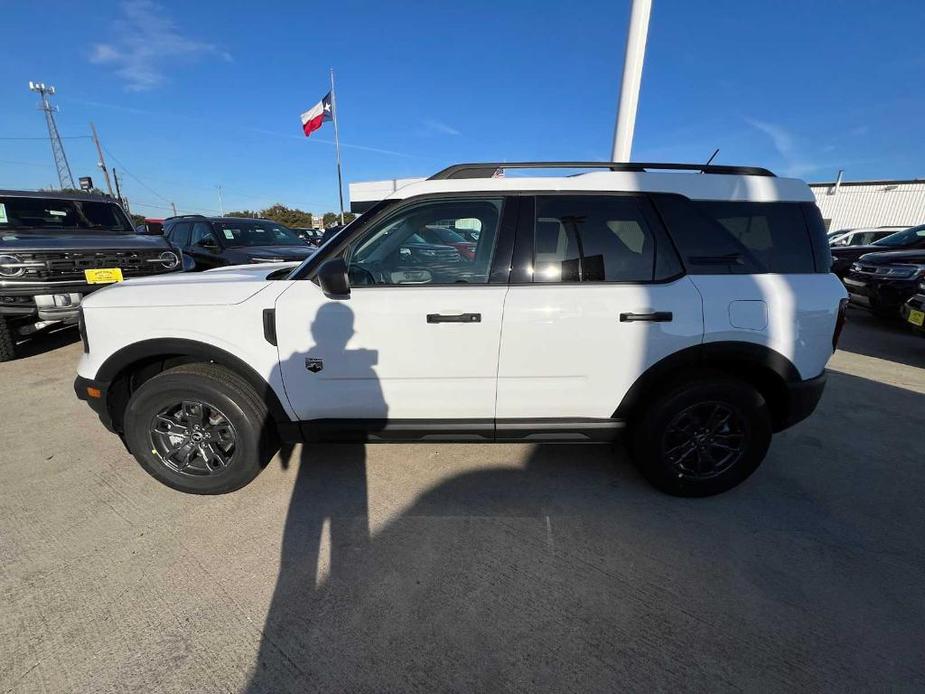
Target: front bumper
[803,398]
[83,387]
[882,296]
[45,301]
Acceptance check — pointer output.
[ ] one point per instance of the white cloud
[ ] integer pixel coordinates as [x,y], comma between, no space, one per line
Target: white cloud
[784,142]
[435,127]
[146,42]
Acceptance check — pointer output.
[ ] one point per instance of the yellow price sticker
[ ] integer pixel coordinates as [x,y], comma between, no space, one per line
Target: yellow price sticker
[104,275]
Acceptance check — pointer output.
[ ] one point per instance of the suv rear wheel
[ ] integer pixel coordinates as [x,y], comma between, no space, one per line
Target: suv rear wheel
[702,438]
[199,428]
[7,344]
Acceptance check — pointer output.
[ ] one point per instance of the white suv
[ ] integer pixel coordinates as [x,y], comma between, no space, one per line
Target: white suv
[689,307]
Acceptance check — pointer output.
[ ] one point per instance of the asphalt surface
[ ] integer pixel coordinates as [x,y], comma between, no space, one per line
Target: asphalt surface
[468,567]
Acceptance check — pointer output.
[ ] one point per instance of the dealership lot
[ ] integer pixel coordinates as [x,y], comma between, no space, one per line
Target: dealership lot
[468,567]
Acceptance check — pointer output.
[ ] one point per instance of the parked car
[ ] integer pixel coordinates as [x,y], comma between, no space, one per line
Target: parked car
[56,248]
[310,236]
[913,311]
[907,239]
[883,282]
[862,236]
[445,236]
[212,242]
[694,314]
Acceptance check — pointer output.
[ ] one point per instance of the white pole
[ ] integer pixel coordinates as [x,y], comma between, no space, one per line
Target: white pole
[221,202]
[340,183]
[632,78]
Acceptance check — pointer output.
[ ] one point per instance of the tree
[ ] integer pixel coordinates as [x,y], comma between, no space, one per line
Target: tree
[250,214]
[289,216]
[332,218]
[137,219]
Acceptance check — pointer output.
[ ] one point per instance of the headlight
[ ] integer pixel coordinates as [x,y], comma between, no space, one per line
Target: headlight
[11,266]
[901,271]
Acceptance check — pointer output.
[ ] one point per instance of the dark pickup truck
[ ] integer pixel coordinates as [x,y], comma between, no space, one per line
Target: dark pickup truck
[57,247]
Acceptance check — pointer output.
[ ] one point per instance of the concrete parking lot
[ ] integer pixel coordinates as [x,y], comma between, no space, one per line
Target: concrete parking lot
[468,567]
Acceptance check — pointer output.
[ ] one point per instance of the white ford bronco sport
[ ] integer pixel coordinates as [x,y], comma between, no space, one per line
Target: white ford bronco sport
[690,308]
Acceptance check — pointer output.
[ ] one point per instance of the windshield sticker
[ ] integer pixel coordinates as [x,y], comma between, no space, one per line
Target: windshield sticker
[58,213]
[3,219]
[229,234]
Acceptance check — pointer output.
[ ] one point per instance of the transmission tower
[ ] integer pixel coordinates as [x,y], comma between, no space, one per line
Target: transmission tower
[57,149]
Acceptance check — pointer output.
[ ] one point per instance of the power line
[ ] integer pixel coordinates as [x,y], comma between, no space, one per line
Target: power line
[62,137]
[134,177]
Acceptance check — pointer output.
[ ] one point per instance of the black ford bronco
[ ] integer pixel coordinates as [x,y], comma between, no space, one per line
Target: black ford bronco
[56,247]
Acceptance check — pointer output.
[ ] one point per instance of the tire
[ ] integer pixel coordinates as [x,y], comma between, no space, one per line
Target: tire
[675,439]
[236,437]
[7,344]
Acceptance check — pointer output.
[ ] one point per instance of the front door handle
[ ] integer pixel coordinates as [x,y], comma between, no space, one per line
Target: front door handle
[654,317]
[457,318]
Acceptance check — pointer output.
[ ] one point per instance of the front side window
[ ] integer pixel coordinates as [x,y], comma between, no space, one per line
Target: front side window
[423,245]
[201,232]
[179,234]
[588,238]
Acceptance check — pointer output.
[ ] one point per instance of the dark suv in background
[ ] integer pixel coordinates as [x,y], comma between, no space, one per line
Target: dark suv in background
[55,248]
[907,239]
[218,241]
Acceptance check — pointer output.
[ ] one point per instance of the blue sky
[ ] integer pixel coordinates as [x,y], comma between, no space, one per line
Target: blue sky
[192,95]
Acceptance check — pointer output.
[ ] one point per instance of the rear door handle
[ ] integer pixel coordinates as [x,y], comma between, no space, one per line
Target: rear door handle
[457,318]
[654,317]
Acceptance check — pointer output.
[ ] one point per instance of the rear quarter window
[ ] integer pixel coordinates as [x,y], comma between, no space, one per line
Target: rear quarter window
[718,237]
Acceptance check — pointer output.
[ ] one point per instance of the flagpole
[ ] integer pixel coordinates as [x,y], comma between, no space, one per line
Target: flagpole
[340,182]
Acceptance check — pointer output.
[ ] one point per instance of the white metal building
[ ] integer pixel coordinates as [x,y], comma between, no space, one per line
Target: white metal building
[847,205]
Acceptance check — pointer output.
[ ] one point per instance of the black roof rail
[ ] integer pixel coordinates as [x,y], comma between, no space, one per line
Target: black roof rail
[487,170]
[184,216]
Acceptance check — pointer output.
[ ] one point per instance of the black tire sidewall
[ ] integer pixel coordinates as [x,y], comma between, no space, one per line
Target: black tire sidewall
[167,389]
[649,432]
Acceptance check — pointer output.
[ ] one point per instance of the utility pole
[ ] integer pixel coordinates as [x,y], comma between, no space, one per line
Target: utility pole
[65,179]
[632,79]
[118,190]
[174,209]
[102,161]
[221,203]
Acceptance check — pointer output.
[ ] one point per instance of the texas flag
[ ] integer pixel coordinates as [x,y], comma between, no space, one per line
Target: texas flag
[317,114]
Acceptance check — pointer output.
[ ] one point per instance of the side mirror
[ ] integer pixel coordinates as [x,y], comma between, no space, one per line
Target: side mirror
[332,276]
[188,263]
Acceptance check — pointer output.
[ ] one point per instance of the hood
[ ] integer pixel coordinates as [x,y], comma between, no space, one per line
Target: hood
[914,257]
[214,288]
[274,252]
[42,241]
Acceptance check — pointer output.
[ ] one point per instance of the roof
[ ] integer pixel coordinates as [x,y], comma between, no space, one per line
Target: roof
[755,188]
[885,182]
[56,195]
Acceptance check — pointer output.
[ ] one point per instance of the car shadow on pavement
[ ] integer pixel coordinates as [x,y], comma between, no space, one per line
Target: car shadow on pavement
[893,340]
[46,341]
[568,572]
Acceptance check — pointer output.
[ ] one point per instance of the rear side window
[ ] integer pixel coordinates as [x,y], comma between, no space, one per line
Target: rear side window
[588,238]
[717,237]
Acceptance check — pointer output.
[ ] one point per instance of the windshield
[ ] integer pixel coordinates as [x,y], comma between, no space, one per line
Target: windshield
[51,214]
[902,238]
[253,232]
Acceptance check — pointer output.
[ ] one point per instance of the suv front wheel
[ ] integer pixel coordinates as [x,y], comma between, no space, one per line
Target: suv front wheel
[199,428]
[702,437]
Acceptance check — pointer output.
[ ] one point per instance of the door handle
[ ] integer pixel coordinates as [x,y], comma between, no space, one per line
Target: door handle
[654,317]
[457,318]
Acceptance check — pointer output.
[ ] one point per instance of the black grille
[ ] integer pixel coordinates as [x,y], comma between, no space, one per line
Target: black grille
[65,265]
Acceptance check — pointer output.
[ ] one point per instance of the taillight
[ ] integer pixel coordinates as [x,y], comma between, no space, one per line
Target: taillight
[839,322]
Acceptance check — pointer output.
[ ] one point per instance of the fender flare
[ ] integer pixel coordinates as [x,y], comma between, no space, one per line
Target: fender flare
[162,348]
[761,361]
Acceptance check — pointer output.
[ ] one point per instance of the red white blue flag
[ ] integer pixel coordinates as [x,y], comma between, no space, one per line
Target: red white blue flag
[319,113]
